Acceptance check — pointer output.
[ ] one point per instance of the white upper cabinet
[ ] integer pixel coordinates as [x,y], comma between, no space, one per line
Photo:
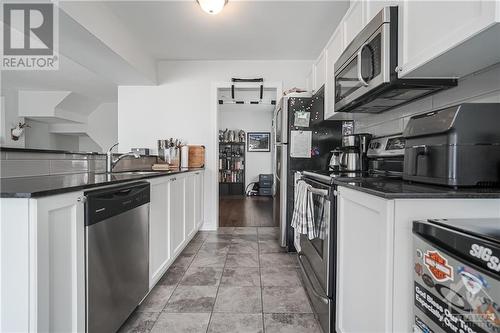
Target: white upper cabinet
[354,20]
[334,49]
[310,80]
[372,8]
[448,38]
[320,71]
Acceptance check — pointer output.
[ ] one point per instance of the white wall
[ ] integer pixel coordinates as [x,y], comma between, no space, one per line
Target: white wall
[10,118]
[103,126]
[260,121]
[39,137]
[181,107]
[481,87]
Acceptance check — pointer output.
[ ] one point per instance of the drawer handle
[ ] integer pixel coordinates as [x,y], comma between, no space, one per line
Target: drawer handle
[315,292]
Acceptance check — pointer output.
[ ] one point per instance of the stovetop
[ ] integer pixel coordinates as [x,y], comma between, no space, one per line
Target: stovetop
[392,186]
[328,176]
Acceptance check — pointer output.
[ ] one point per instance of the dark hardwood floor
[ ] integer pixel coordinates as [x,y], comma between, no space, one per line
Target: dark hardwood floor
[242,211]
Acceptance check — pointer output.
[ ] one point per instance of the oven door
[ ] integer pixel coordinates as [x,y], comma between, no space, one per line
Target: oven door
[366,70]
[316,251]
[316,256]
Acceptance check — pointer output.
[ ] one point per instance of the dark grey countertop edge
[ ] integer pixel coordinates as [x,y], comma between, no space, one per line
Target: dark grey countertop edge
[55,151]
[44,193]
[47,151]
[445,195]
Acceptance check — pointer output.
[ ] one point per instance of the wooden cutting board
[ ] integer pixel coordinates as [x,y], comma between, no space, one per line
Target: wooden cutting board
[196,156]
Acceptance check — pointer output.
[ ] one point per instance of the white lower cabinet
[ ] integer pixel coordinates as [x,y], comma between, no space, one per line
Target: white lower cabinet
[42,264]
[42,251]
[365,241]
[189,207]
[198,194]
[159,233]
[176,214]
[375,256]
[175,217]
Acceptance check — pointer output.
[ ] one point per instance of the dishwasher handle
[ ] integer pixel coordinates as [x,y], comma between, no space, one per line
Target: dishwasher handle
[103,204]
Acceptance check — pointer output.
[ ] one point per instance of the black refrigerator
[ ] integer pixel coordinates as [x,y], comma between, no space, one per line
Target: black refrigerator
[304,113]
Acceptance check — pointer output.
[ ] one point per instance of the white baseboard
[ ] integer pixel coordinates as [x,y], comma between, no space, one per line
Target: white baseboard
[208,226]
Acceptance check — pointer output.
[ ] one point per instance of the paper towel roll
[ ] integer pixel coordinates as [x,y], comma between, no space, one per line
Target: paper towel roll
[184,156]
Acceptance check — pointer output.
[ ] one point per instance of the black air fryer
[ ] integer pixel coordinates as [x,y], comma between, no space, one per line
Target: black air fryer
[456,146]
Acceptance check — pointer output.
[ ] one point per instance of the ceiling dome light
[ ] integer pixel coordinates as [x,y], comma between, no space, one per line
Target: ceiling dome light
[212,6]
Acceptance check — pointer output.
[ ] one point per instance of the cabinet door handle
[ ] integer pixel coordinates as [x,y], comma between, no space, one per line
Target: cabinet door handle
[82,199]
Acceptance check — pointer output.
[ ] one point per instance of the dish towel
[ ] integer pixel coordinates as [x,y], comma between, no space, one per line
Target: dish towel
[303,211]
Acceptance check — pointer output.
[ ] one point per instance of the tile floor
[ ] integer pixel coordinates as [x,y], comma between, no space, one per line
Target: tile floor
[232,280]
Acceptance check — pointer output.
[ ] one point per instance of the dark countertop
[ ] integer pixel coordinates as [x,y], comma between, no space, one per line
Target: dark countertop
[40,186]
[394,188]
[45,151]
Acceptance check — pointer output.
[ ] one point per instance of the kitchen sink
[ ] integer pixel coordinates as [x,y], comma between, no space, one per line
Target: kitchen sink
[138,173]
[132,173]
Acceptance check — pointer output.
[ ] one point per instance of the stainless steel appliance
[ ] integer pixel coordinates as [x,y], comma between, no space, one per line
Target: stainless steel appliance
[335,163]
[325,135]
[117,254]
[385,155]
[350,160]
[317,257]
[457,275]
[352,155]
[366,77]
[455,146]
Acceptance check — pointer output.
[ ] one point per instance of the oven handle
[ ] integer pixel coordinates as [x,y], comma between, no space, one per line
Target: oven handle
[319,191]
[315,292]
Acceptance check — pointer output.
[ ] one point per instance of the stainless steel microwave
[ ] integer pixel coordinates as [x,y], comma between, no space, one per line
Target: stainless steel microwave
[366,77]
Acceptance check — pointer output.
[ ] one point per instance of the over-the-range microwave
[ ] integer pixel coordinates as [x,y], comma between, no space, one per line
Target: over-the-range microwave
[366,77]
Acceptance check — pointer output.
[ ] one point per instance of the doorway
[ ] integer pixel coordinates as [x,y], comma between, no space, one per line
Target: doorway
[245,156]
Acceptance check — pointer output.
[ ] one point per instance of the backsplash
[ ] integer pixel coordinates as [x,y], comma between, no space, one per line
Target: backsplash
[480,87]
[27,163]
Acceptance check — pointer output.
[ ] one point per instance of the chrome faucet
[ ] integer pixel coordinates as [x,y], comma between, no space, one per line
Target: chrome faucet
[110,162]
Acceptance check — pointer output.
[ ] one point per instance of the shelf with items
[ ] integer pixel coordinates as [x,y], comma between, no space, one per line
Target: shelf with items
[232,168]
[229,176]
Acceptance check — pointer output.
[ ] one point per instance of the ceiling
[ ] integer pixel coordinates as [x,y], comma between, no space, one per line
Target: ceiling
[70,77]
[270,30]
[180,30]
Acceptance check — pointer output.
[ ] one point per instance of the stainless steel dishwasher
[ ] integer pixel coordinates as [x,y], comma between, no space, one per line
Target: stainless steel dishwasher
[117,254]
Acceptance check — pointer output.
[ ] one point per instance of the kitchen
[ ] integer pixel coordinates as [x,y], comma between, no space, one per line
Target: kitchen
[406,95]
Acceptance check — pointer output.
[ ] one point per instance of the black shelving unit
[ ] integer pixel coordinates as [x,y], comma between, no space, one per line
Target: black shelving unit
[231,168]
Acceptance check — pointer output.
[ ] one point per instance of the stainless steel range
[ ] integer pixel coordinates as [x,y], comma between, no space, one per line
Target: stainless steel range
[317,256]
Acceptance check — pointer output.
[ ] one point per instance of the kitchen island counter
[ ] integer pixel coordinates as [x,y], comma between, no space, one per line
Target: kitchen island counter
[40,186]
[396,188]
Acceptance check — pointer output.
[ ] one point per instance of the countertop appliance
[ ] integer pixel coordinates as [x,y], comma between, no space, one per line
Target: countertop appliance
[353,152]
[117,254]
[455,146]
[299,112]
[457,275]
[366,78]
